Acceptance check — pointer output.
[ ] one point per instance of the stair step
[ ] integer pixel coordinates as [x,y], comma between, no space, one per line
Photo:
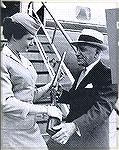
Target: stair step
[43,78]
[41,66]
[40,61]
[42,72]
[42,38]
[36,61]
[45,43]
[34,50]
[40,84]
[37,56]
[47,48]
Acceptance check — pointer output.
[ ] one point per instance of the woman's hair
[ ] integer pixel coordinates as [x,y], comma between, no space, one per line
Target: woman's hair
[13,29]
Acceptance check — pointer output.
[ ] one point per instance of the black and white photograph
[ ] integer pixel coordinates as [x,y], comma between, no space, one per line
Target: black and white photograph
[59,75]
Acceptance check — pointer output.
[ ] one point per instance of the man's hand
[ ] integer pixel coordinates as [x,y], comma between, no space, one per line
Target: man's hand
[67,129]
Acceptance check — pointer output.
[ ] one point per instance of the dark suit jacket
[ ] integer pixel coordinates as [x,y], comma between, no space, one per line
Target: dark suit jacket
[90,108]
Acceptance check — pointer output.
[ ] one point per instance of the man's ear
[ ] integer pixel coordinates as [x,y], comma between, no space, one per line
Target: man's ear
[98,51]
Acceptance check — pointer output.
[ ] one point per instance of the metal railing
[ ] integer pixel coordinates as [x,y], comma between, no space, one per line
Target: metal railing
[42,51]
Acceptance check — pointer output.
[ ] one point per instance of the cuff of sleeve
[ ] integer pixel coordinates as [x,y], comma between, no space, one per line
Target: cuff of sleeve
[25,112]
[18,108]
[77,129]
[78,132]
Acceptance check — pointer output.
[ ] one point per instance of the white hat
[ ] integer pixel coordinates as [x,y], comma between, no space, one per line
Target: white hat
[92,37]
[27,21]
[2,5]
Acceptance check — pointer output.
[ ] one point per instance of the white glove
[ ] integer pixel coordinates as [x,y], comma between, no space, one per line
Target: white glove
[54,112]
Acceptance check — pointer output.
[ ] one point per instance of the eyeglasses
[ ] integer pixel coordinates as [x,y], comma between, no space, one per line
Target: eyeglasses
[85,47]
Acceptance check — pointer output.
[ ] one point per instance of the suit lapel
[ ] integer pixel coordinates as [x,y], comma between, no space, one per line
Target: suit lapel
[75,82]
[89,78]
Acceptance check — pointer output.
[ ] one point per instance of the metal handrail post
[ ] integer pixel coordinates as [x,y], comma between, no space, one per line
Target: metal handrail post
[55,50]
[60,27]
[45,58]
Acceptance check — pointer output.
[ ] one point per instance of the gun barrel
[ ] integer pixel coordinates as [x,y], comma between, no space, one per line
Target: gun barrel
[59,69]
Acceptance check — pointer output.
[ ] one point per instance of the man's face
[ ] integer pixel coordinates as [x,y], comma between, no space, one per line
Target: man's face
[86,54]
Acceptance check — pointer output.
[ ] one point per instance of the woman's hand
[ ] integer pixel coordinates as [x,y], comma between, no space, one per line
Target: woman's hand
[54,112]
[64,109]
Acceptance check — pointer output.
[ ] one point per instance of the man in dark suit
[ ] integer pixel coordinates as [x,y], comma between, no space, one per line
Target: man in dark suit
[92,99]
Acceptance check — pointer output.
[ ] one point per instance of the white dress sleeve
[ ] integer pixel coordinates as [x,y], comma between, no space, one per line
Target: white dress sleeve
[9,103]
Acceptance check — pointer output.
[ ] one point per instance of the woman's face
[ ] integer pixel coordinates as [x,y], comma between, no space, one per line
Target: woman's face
[25,42]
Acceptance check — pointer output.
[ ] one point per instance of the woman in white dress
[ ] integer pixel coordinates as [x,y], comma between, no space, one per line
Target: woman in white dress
[18,91]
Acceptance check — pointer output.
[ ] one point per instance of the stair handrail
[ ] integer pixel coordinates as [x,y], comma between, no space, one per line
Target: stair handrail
[40,47]
[57,53]
[54,48]
[45,57]
[60,27]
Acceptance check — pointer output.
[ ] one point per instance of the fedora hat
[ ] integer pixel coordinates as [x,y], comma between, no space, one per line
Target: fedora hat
[92,37]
